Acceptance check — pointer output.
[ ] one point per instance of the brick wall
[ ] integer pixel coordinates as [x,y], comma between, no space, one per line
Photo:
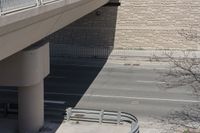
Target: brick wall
[136,24]
[155,24]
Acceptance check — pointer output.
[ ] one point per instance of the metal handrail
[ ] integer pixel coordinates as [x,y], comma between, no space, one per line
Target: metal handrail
[103,116]
[10,6]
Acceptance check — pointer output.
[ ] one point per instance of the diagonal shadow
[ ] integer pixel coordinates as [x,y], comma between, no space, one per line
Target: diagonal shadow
[78,54]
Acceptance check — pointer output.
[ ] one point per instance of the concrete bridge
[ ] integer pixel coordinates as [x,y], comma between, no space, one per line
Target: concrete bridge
[24,59]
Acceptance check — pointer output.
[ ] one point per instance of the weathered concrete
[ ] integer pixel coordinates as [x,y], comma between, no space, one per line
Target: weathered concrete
[21,29]
[31,108]
[26,70]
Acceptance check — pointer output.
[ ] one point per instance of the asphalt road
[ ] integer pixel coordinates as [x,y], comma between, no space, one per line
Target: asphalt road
[131,88]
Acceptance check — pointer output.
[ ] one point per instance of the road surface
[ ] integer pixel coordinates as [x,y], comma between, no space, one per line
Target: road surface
[123,87]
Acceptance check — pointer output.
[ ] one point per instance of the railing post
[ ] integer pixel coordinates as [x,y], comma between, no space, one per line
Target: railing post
[39,2]
[118,117]
[6,108]
[69,112]
[101,117]
[1,9]
[133,126]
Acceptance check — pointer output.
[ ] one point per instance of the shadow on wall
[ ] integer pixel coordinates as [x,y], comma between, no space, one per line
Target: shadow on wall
[87,42]
[90,36]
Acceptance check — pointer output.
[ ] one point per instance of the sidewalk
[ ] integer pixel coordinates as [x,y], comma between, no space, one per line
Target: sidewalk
[124,57]
[150,53]
[84,127]
[146,126]
[10,126]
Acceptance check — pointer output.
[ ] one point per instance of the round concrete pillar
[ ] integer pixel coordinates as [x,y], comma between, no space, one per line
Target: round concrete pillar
[27,70]
[31,108]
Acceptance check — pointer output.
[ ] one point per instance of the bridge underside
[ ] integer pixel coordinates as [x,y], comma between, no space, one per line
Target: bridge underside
[22,29]
[26,68]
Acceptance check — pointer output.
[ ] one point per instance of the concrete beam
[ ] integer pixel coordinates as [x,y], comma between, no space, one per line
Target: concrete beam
[25,68]
[20,30]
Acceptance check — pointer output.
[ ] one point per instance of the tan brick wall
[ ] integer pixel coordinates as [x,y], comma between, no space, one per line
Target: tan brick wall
[143,24]
[155,23]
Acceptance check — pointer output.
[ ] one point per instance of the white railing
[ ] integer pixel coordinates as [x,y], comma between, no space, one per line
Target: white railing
[102,116]
[47,1]
[10,6]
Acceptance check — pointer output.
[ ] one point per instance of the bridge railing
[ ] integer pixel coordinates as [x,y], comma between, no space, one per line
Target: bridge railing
[10,6]
[15,5]
[102,116]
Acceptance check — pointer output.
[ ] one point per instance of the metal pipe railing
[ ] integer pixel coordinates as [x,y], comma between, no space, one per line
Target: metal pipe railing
[10,6]
[103,116]
[16,5]
[99,116]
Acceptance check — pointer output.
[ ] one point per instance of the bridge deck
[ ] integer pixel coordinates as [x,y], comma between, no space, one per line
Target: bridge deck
[22,25]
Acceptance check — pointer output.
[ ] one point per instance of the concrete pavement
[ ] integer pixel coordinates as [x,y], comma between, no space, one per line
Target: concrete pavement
[129,88]
[10,126]
[88,127]
[52,126]
[134,89]
[149,53]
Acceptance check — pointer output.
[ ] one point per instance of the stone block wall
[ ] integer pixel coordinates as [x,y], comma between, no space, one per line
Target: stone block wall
[156,24]
[136,24]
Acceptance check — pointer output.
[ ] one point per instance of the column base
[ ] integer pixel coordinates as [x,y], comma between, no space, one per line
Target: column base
[31,108]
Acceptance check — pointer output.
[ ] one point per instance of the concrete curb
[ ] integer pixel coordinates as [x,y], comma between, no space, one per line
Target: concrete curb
[151,53]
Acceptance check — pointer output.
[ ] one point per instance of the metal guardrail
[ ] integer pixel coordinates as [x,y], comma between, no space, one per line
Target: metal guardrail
[10,6]
[102,116]
[7,108]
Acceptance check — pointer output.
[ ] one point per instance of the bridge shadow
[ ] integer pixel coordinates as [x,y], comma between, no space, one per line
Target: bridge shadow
[78,54]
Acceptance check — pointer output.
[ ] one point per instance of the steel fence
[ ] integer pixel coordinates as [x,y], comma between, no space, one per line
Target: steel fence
[47,1]
[103,116]
[12,5]
[9,6]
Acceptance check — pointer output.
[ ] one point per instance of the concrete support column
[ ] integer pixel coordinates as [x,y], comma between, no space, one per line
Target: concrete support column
[31,108]
[27,70]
